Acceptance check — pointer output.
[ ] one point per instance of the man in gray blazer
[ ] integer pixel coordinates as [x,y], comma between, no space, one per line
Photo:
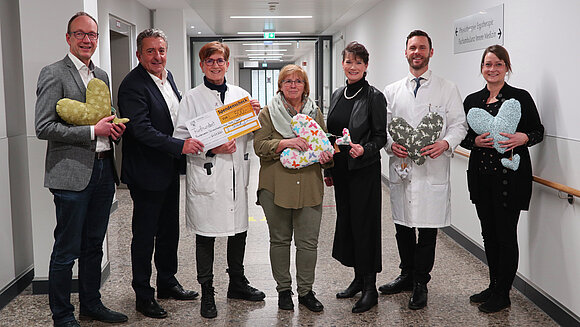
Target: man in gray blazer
[80,173]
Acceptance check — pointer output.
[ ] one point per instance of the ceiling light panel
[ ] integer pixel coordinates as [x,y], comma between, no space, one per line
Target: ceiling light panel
[266,50]
[270,17]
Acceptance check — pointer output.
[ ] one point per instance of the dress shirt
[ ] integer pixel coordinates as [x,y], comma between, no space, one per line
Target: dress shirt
[87,75]
[167,91]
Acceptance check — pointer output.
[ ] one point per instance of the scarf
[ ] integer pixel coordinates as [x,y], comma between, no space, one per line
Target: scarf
[281,113]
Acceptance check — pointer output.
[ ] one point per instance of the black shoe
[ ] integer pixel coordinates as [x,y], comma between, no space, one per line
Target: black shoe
[208,308]
[150,308]
[239,288]
[369,297]
[310,302]
[285,300]
[176,292]
[481,297]
[495,303]
[72,323]
[419,298]
[355,286]
[102,313]
[402,283]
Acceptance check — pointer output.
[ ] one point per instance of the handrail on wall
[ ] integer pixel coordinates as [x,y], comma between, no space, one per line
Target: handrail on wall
[570,192]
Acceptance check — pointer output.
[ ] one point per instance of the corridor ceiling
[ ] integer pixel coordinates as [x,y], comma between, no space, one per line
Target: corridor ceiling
[212,17]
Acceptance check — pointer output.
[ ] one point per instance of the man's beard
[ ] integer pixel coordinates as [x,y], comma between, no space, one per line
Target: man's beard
[423,63]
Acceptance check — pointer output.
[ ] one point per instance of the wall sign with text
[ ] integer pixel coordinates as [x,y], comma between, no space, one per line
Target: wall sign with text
[478,31]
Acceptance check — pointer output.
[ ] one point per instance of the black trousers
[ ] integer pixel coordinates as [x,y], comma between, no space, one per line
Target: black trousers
[204,255]
[357,236]
[155,229]
[417,253]
[499,228]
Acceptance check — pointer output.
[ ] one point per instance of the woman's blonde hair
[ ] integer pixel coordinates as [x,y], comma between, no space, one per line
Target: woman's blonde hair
[294,69]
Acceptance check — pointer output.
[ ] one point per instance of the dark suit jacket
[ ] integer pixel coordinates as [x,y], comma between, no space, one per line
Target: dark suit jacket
[151,155]
[70,153]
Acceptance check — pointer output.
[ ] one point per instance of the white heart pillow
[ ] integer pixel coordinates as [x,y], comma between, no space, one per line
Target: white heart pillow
[307,128]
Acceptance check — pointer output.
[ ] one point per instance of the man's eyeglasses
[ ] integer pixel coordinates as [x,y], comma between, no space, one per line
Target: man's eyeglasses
[289,82]
[219,62]
[81,35]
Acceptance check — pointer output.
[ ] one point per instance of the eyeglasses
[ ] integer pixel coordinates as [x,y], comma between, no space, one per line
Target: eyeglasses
[219,62]
[81,35]
[496,65]
[289,82]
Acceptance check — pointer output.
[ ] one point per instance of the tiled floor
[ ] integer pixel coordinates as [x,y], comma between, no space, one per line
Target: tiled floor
[456,275]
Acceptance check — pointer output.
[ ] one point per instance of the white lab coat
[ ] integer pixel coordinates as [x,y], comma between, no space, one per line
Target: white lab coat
[212,206]
[422,199]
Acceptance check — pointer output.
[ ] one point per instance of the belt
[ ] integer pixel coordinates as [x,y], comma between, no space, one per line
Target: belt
[104,154]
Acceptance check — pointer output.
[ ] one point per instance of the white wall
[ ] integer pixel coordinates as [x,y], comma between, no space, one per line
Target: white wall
[542,39]
[310,59]
[172,22]
[7,269]
[130,11]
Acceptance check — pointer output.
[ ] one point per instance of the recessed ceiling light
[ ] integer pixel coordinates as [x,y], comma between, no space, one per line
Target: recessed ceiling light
[262,50]
[261,33]
[265,55]
[270,17]
[191,26]
[198,32]
[266,59]
[262,43]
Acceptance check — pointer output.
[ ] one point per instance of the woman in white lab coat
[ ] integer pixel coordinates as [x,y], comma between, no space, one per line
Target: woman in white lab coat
[217,182]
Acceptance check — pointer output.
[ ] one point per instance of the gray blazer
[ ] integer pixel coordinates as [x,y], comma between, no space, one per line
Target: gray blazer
[70,153]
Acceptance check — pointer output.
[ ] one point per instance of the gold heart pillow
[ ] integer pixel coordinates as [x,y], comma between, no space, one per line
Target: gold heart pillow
[96,107]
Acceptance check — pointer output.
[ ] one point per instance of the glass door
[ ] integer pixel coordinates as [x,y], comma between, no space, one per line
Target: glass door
[264,84]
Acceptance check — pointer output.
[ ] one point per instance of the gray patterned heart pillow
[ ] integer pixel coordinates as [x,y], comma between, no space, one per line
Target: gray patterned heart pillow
[414,139]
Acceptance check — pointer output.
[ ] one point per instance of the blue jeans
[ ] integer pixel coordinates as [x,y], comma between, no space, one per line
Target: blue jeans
[81,223]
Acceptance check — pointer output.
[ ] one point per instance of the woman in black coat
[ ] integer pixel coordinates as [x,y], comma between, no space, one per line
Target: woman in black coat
[356,175]
[500,193]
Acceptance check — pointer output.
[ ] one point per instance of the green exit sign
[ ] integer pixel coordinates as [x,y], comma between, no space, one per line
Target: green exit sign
[269,35]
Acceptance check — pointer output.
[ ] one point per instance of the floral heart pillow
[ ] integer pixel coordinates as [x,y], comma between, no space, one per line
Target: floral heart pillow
[307,128]
[506,121]
[414,139]
[96,107]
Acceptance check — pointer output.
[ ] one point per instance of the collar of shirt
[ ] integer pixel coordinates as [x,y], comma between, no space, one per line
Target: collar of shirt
[85,72]
[168,94]
[410,78]
[157,80]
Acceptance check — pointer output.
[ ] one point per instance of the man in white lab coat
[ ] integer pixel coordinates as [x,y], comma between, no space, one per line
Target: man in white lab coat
[420,194]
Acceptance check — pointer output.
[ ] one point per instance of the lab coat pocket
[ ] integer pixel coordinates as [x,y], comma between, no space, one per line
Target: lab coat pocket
[203,179]
[437,170]
[441,111]
[399,171]
[246,169]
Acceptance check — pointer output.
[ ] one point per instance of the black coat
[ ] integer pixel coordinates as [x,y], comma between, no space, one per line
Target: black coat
[515,185]
[367,126]
[152,157]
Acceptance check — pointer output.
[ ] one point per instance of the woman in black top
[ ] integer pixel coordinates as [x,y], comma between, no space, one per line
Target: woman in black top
[499,193]
[356,176]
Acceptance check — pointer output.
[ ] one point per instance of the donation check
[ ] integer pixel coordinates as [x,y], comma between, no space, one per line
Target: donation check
[224,124]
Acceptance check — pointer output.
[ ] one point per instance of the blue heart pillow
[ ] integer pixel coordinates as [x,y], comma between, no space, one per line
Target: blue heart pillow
[506,121]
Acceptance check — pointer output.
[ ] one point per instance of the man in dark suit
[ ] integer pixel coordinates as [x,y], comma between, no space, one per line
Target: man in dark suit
[81,175]
[152,159]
